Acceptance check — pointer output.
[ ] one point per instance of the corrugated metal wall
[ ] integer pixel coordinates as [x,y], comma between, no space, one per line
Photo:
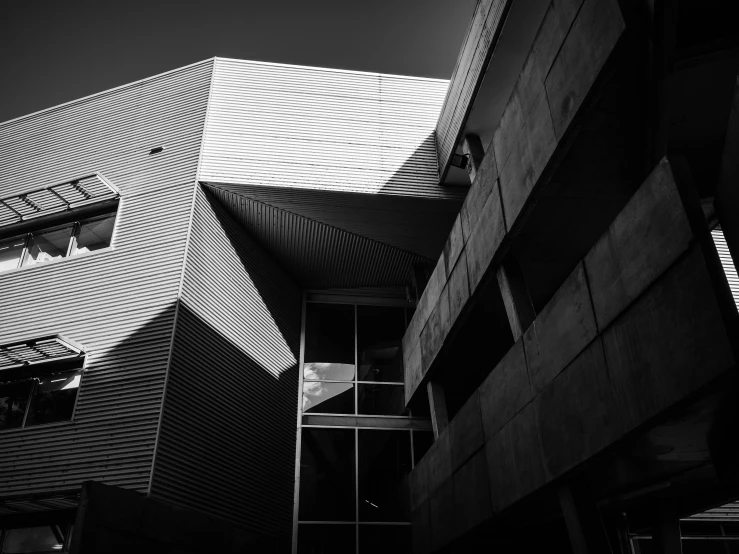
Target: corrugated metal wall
[318,255]
[227,442]
[118,304]
[723,251]
[486,22]
[289,126]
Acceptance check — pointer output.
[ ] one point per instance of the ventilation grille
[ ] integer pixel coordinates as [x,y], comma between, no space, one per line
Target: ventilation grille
[45,349]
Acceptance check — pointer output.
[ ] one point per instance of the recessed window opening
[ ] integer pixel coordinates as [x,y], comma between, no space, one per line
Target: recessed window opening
[39,381]
[44,244]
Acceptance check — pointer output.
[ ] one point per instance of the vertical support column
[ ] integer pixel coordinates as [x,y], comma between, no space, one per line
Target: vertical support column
[472,147]
[582,517]
[516,297]
[666,533]
[437,404]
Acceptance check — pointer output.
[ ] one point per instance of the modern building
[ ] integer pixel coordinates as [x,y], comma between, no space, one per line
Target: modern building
[252,307]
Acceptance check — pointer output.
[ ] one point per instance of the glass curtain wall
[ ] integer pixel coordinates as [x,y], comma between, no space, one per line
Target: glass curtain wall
[358,444]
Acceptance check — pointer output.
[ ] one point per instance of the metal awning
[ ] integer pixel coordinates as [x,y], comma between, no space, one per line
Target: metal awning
[36,351]
[53,199]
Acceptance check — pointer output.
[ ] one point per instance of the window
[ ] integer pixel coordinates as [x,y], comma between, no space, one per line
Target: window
[352,362]
[47,244]
[39,382]
[53,537]
[29,401]
[56,222]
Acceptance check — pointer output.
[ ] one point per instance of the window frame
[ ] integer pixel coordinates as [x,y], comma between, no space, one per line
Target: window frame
[34,373]
[52,222]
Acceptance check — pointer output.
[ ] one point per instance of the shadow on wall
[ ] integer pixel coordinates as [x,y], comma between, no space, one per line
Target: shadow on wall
[227,444]
[227,440]
[434,208]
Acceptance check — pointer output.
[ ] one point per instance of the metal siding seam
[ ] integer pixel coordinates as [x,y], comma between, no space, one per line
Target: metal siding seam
[182,279]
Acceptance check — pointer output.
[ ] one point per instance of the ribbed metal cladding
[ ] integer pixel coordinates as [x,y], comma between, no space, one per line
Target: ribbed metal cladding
[485,26]
[723,251]
[227,442]
[118,304]
[419,225]
[318,255]
[313,128]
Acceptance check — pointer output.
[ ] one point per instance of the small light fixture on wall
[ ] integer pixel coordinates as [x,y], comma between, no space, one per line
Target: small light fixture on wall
[156,150]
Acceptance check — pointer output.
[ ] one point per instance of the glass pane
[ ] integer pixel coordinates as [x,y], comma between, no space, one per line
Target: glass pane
[329,333]
[328,398]
[53,399]
[422,441]
[49,245]
[11,251]
[327,475]
[375,399]
[326,539]
[379,334]
[384,465]
[388,539]
[94,234]
[13,403]
[32,539]
[332,372]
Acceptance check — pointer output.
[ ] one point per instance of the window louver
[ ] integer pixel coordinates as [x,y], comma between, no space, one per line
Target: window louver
[45,349]
[56,198]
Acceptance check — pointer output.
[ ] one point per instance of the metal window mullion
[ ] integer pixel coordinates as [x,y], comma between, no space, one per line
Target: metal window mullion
[72,239]
[299,430]
[24,252]
[28,404]
[356,488]
[356,363]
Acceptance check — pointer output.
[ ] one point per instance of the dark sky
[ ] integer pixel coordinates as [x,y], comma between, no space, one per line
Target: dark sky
[53,51]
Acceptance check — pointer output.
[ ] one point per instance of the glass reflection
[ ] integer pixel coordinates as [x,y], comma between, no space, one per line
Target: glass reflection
[11,251]
[53,399]
[329,333]
[328,398]
[326,539]
[328,371]
[49,245]
[379,334]
[327,475]
[375,399]
[384,465]
[94,234]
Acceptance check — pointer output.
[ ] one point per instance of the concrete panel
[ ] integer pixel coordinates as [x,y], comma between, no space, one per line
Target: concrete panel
[505,391]
[478,194]
[485,239]
[577,412]
[439,468]
[514,460]
[472,493]
[465,432]
[508,135]
[540,137]
[454,245]
[591,39]
[668,343]
[552,32]
[442,515]
[418,484]
[421,526]
[459,288]
[516,181]
[647,236]
[437,327]
[413,370]
[561,331]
